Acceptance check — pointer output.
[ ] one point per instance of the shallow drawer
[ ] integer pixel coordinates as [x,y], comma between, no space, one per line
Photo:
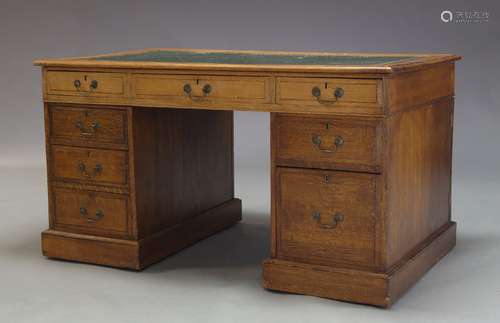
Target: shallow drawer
[88,124]
[90,212]
[326,217]
[356,96]
[330,143]
[92,165]
[199,89]
[85,84]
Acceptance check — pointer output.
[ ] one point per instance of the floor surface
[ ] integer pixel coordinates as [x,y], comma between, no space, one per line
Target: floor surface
[218,279]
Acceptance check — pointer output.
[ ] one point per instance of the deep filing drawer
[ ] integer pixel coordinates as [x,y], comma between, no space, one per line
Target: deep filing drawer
[85,84]
[201,88]
[329,143]
[89,125]
[320,95]
[91,165]
[90,212]
[326,217]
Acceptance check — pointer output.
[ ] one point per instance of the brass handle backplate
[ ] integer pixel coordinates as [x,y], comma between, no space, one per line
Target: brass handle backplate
[83,170]
[87,131]
[337,93]
[316,92]
[337,218]
[316,140]
[99,214]
[207,88]
[93,85]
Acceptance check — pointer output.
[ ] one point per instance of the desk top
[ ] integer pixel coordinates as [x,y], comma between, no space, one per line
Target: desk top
[194,59]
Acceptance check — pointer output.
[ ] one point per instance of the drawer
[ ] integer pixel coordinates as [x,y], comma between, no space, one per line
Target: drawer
[91,125]
[326,217]
[91,165]
[199,89]
[90,212]
[328,143]
[327,95]
[85,84]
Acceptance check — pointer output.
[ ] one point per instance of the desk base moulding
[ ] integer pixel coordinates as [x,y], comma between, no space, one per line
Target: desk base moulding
[137,255]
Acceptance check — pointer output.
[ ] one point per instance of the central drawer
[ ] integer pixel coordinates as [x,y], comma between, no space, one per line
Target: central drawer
[328,143]
[203,88]
[92,165]
[326,217]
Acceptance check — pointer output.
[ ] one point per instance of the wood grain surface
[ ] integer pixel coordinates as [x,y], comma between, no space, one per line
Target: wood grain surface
[361,159]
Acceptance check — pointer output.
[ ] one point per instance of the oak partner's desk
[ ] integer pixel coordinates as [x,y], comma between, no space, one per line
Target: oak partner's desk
[140,161]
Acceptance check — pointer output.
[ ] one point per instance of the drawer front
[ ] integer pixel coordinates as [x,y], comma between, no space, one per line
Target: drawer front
[347,96]
[90,212]
[85,84]
[326,217]
[329,143]
[92,165]
[88,124]
[199,89]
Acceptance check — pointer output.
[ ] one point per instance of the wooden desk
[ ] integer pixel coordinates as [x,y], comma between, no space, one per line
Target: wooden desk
[140,161]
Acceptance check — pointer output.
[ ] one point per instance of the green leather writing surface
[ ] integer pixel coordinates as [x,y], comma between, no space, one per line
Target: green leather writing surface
[245,58]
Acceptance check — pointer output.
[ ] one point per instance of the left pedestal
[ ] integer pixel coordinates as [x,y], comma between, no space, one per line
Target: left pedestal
[129,186]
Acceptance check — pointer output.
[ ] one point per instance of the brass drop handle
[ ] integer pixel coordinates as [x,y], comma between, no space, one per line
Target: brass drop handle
[94,84]
[207,89]
[99,214]
[337,93]
[337,218]
[87,132]
[77,84]
[316,140]
[83,170]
